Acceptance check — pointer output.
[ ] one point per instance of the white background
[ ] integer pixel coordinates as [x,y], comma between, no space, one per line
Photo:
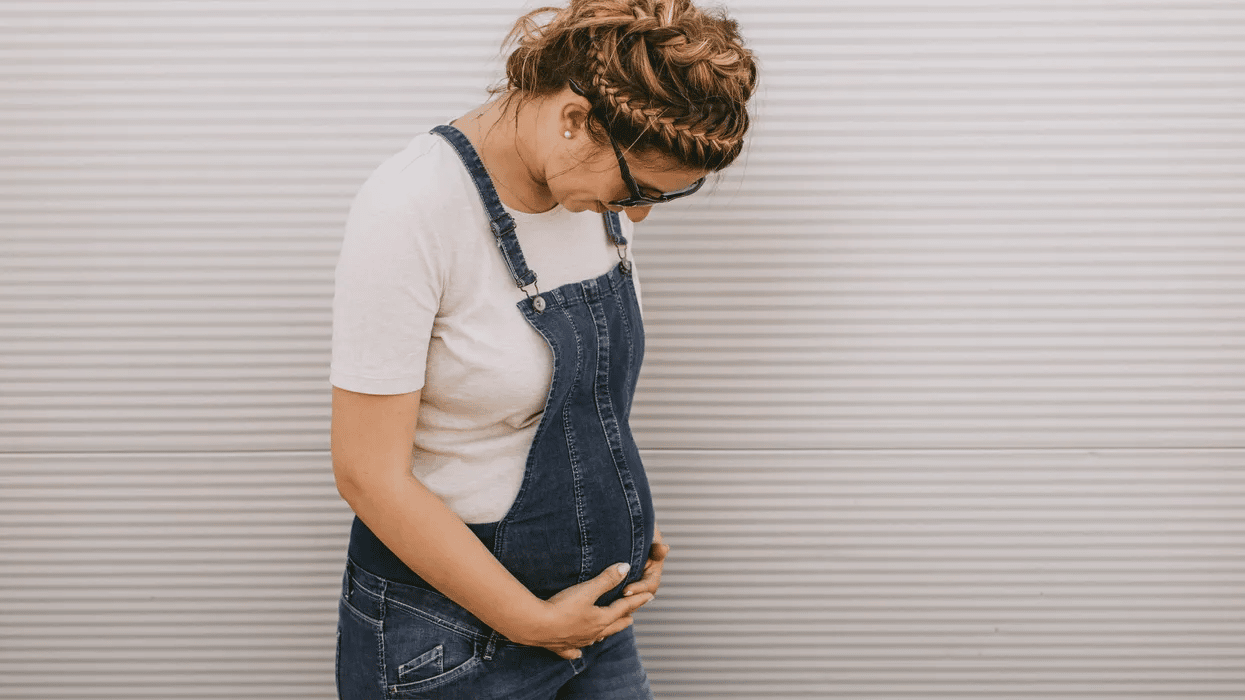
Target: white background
[945,388]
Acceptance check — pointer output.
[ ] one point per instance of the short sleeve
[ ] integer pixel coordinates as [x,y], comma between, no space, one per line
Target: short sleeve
[386,290]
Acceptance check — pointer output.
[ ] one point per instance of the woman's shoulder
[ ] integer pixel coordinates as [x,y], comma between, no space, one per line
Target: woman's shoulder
[413,205]
[424,178]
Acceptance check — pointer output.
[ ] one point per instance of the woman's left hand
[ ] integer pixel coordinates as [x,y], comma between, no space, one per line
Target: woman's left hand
[651,579]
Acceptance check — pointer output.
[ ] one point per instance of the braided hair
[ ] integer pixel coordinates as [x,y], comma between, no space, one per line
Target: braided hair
[662,75]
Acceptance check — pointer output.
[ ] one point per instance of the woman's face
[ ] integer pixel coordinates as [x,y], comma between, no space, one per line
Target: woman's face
[586,177]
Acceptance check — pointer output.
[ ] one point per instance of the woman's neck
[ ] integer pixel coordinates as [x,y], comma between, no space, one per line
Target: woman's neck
[506,141]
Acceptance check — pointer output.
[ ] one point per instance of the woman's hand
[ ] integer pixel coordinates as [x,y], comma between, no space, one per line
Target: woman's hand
[573,620]
[652,568]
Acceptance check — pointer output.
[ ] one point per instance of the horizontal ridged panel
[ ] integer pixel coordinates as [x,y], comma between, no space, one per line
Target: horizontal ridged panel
[964,226]
[169,575]
[994,574]
[175,182]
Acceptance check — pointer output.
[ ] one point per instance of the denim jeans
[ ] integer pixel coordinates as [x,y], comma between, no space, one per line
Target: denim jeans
[396,641]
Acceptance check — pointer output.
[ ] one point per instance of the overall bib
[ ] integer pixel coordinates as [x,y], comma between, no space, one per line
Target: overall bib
[583,505]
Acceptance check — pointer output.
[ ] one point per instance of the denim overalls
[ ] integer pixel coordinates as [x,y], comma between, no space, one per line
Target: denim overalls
[584,504]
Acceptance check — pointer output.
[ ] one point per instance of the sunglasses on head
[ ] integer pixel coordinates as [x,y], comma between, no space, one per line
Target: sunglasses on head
[639,197]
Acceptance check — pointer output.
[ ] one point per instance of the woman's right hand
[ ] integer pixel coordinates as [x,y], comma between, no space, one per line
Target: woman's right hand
[573,620]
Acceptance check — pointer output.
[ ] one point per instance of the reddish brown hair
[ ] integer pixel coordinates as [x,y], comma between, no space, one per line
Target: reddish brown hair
[662,75]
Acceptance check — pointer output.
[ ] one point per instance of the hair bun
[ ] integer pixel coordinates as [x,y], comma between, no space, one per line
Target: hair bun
[667,76]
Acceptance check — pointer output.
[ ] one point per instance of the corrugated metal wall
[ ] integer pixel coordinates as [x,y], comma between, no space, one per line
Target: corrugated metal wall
[945,393]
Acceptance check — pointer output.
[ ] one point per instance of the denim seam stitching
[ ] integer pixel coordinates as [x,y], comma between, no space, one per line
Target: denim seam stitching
[436,681]
[585,550]
[436,653]
[627,300]
[440,622]
[380,637]
[605,414]
[358,587]
[612,429]
[367,618]
[337,661]
[577,482]
[625,314]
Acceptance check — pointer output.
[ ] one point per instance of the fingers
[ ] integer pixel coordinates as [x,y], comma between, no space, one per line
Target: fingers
[648,584]
[609,578]
[626,605]
[607,620]
[651,579]
[617,626]
[610,630]
[641,586]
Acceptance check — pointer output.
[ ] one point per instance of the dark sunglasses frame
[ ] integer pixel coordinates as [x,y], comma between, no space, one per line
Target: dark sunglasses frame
[637,198]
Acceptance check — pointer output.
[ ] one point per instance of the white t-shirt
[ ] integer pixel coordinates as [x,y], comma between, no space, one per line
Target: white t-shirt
[423,300]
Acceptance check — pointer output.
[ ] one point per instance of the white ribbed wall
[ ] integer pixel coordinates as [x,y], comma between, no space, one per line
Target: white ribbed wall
[945,389]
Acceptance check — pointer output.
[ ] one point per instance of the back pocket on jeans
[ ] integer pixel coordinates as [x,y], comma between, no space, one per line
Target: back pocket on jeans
[427,672]
[429,664]
[425,655]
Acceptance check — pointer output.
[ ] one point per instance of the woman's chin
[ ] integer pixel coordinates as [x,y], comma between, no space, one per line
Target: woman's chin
[580,205]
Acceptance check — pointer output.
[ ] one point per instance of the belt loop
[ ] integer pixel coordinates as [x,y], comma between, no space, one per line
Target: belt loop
[491,646]
[349,580]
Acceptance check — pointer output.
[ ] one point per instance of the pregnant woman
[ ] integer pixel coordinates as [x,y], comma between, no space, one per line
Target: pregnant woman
[487,339]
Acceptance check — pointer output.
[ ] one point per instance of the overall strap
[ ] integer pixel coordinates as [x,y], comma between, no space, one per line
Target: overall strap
[500,221]
[614,228]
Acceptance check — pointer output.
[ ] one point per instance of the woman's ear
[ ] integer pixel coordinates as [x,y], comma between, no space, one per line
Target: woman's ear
[574,114]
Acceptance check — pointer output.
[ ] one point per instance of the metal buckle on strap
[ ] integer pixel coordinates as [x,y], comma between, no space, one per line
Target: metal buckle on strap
[538,302]
[502,227]
[624,264]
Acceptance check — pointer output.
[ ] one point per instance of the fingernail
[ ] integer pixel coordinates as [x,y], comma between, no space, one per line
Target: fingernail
[623,568]
[626,593]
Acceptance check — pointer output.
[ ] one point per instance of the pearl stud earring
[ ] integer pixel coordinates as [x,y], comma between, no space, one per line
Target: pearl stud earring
[567,134]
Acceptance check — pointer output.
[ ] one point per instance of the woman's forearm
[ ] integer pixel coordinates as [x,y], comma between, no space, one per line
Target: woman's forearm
[436,544]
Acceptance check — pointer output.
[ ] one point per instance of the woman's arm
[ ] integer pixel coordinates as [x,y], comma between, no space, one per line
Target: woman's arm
[372,440]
